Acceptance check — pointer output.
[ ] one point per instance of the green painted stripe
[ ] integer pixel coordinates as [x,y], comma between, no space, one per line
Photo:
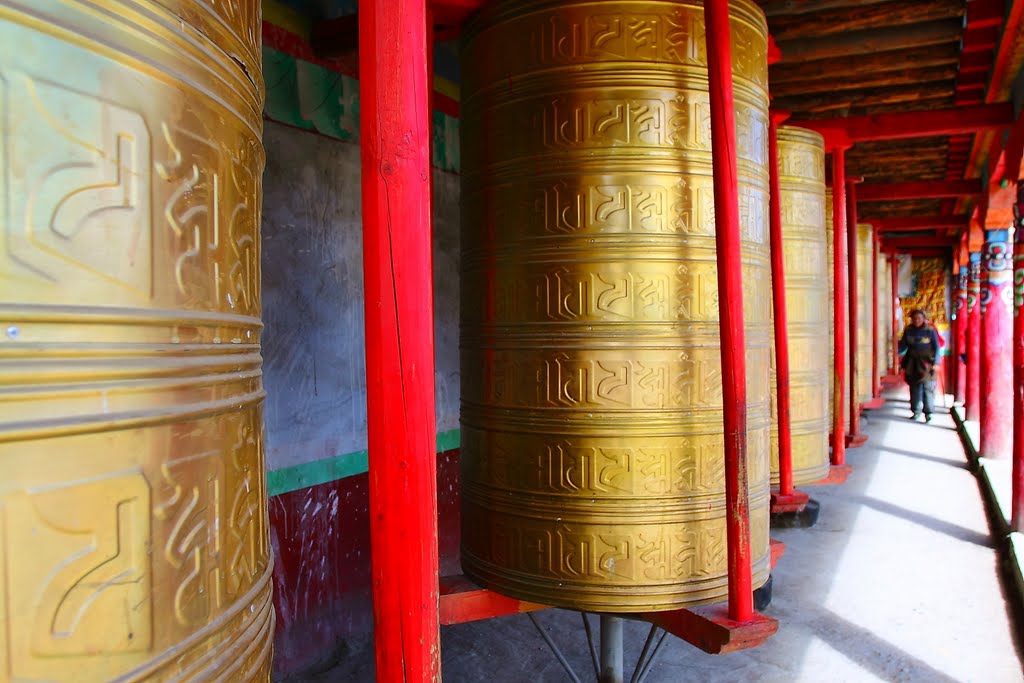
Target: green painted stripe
[318,472]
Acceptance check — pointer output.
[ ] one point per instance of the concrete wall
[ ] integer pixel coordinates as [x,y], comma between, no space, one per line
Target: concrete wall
[314,367]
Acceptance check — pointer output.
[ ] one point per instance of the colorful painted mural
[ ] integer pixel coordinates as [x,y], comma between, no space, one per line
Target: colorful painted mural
[931,276]
[322,96]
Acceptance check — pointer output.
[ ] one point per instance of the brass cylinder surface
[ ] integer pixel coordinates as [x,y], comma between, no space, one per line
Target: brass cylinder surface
[802,191]
[829,231]
[884,314]
[865,311]
[592,438]
[132,479]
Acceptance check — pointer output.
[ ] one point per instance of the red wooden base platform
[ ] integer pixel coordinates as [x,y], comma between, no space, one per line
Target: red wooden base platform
[777,549]
[463,601]
[837,474]
[710,629]
[890,380]
[707,628]
[793,502]
[873,404]
[856,440]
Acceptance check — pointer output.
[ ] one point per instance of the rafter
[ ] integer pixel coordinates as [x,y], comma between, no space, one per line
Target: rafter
[884,192]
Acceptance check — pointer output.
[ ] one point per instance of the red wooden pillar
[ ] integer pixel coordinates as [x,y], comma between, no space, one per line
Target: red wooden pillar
[997,358]
[787,499]
[1017,496]
[839,302]
[972,395]
[960,331]
[730,296]
[396,171]
[855,438]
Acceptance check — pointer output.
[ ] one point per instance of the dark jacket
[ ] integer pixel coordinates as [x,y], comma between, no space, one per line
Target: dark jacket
[922,346]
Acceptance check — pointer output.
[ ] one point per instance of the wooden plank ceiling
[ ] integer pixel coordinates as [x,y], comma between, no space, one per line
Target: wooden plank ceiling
[860,57]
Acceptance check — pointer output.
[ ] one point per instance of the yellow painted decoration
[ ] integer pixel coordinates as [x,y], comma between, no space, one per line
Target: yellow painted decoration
[133,510]
[802,186]
[592,437]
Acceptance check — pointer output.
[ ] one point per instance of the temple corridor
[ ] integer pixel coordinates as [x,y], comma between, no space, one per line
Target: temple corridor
[898,581]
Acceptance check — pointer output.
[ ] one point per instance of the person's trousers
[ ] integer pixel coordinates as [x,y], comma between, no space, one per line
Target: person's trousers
[922,392]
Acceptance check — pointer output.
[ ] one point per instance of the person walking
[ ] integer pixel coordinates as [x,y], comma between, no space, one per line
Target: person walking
[920,346]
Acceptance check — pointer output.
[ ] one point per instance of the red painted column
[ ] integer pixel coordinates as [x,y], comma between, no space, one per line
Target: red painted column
[876,376]
[960,313]
[972,397]
[854,438]
[730,297]
[997,353]
[396,171]
[839,302]
[1017,496]
[779,312]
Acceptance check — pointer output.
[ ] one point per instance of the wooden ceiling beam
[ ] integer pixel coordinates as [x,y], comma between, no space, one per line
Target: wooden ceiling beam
[919,223]
[870,16]
[845,99]
[884,192]
[915,124]
[843,67]
[773,8]
[985,12]
[919,242]
[871,79]
[856,43]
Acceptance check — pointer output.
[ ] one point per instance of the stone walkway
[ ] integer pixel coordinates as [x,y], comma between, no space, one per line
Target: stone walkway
[898,581]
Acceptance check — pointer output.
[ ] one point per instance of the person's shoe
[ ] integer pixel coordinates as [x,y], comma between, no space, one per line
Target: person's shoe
[915,416]
[927,417]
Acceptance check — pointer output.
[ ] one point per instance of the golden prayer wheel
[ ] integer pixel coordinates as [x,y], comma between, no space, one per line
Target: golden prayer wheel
[802,191]
[592,438]
[884,313]
[865,311]
[132,482]
[830,258]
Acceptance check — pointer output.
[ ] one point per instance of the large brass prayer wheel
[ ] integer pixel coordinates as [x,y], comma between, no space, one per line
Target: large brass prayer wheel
[884,314]
[132,484]
[592,438]
[830,257]
[802,191]
[865,311]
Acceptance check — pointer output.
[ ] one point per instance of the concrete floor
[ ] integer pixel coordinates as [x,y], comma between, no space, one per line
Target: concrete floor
[898,581]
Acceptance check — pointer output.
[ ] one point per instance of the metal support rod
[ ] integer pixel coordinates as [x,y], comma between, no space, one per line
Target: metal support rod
[641,662]
[853,295]
[779,310]
[730,297]
[876,377]
[997,360]
[650,660]
[839,303]
[972,401]
[554,649]
[590,645]
[394,85]
[612,669]
[1017,495]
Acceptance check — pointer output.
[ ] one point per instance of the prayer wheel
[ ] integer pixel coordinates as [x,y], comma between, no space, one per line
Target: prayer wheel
[830,257]
[865,311]
[132,481]
[884,314]
[592,438]
[802,191]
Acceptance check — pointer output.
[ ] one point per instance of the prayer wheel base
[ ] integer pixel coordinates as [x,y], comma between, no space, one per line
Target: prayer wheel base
[801,519]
